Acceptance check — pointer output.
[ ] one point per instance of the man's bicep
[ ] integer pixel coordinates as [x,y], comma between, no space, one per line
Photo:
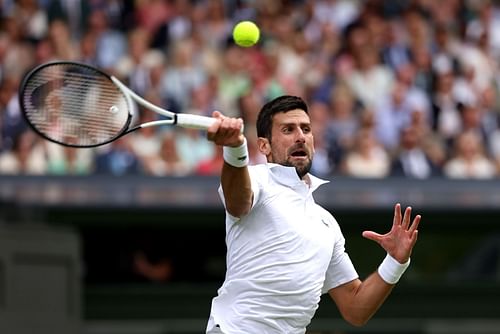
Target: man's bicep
[343,293]
[247,196]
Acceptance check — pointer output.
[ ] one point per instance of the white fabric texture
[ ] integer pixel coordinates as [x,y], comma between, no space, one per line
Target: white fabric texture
[391,270]
[281,257]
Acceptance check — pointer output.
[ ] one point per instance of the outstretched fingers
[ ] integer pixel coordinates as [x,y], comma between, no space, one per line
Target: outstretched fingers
[397,215]
[406,218]
[370,235]
[415,223]
[411,230]
[404,222]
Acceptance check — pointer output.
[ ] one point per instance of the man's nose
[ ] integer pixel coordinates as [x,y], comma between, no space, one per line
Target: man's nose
[300,136]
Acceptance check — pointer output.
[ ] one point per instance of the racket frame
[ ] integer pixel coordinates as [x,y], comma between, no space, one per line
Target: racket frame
[131,98]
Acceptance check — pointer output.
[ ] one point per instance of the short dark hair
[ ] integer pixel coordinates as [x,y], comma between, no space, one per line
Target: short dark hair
[283,103]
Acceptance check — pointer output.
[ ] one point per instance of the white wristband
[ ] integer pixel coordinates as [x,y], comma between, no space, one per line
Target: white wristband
[391,270]
[236,156]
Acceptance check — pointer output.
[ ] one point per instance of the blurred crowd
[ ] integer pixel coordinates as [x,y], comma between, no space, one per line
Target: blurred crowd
[407,87]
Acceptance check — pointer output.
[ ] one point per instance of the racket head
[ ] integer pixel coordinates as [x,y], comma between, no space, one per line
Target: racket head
[74,104]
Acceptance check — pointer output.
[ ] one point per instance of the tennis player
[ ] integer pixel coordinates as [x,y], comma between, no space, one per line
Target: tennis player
[284,250]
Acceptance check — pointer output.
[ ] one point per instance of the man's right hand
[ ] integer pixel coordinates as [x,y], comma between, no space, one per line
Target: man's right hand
[226,131]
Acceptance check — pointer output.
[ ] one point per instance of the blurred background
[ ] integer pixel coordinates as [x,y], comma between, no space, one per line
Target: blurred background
[129,238]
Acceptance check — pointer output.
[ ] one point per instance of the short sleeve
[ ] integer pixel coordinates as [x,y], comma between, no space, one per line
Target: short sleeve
[340,270]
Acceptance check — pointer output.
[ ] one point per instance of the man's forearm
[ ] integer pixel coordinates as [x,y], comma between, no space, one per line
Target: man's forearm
[362,299]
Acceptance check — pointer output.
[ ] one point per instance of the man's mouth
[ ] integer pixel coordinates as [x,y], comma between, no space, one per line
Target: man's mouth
[299,153]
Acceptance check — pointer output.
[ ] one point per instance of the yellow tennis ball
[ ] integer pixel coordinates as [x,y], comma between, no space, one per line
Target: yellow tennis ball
[246,33]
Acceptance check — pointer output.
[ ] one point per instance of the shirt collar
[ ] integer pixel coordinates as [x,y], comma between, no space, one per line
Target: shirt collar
[288,176]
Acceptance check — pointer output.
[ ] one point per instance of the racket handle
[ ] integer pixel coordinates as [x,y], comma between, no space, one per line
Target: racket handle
[195,121]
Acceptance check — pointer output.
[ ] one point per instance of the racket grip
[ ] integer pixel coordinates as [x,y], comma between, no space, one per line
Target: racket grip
[195,121]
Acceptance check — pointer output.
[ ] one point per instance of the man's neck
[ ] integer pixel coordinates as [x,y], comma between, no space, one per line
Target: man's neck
[307,179]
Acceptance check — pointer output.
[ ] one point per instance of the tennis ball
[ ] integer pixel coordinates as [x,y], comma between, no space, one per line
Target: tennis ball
[246,33]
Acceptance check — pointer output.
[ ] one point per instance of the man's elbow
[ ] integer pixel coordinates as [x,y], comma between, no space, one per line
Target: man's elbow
[238,210]
[357,320]
[239,206]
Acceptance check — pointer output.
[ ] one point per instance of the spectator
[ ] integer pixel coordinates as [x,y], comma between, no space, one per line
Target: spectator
[446,116]
[63,160]
[76,13]
[395,52]
[485,23]
[367,159]
[471,117]
[152,17]
[12,123]
[62,45]
[118,159]
[234,79]
[215,28]
[146,143]
[193,147]
[411,159]
[26,157]
[469,160]
[370,79]
[211,166]
[421,59]
[403,63]
[168,161]
[111,43]
[337,14]
[342,123]
[32,18]
[182,74]
[395,111]
[88,49]
[264,76]
[139,62]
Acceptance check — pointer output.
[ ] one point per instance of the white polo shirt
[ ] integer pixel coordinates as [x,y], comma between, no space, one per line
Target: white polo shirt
[281,257]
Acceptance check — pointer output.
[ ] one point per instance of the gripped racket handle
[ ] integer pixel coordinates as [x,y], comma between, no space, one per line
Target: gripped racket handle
[195,121]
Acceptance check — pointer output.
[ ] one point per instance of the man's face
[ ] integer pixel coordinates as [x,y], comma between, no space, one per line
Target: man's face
[292,142]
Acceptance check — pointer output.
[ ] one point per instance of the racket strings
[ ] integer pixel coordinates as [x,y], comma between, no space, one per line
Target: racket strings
[72,108]
[75,105]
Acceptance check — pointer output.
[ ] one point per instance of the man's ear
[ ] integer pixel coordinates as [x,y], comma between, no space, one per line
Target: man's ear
[264,146]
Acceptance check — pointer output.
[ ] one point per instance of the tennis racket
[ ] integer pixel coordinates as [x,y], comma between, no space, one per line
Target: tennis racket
[78,105]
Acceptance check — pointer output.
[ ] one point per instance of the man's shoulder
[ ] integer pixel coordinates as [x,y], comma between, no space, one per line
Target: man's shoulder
[258,169]
[259,172]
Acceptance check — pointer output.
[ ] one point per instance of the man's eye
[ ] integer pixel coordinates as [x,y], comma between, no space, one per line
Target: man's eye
[306,129]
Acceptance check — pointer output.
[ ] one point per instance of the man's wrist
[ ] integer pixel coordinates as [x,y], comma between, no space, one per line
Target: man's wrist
[390,270]
[236,156]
